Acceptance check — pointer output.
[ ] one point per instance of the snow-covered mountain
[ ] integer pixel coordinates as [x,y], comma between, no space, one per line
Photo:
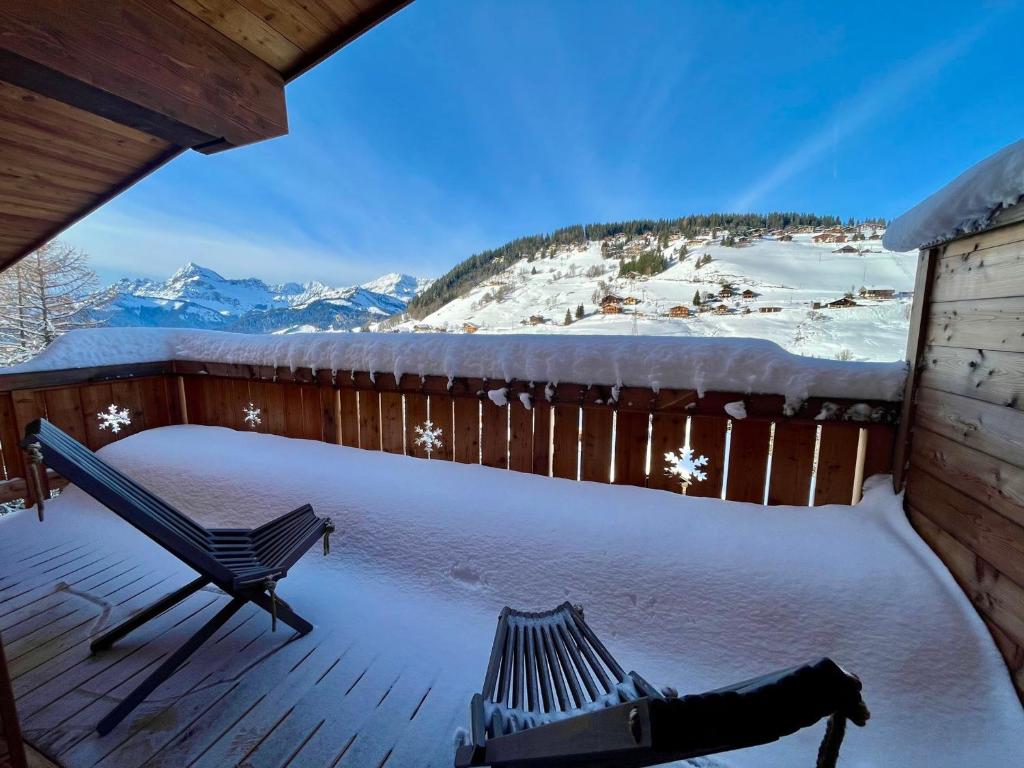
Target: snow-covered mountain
[788,275]
[198,297]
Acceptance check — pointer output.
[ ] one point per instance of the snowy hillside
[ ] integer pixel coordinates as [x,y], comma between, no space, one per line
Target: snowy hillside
[787,278]
[197,297]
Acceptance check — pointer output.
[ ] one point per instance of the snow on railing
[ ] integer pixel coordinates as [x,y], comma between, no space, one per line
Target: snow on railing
[750,366]
[775,448]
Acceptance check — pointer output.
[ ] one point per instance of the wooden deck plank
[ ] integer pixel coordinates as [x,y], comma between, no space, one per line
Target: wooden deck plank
[352,685]
[247,696]
[222,720]
[158,719]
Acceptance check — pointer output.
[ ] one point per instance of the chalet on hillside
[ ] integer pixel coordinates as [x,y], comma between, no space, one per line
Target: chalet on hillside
[879,294]
[421,329]
[679,311]
[725,292]
[846,249]
[631,301]
[611,308]
[537,319]
[611,298]
[721,309]
[846,301]
[768,310]
[470,327]
[749,294]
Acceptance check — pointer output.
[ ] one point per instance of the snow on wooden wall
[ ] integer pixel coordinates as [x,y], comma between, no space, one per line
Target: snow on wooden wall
[965,464]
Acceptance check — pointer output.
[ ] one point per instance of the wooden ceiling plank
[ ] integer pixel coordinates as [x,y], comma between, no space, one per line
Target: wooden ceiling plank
[71,151]
[292,20]
[11,95]
[247,29]
[14,157]
[144,63]
[125,153]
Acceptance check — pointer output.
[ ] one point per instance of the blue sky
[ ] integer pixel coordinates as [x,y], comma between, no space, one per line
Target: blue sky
[459,124]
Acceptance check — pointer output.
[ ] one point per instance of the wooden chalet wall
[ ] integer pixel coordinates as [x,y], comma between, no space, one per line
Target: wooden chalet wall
[568,431]
[965,463]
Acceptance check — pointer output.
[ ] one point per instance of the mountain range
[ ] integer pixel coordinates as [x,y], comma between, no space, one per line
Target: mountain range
[198,297]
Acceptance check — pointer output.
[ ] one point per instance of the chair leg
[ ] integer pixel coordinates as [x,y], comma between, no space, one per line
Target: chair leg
[114,634]
[284,611]
[167,668]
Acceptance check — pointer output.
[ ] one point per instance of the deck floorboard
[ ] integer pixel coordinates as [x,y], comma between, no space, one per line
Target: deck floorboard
[248,697]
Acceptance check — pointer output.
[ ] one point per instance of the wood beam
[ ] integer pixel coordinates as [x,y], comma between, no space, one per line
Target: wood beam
[146,64]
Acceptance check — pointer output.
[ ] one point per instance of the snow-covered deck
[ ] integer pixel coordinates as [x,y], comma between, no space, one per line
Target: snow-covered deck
[691,592]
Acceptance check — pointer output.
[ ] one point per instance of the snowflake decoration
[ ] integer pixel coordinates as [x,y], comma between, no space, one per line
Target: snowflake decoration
[114,418]
[684,466]
[252,416]
[429,437]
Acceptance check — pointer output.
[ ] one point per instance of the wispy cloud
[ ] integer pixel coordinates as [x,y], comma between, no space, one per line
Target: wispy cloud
[852,115]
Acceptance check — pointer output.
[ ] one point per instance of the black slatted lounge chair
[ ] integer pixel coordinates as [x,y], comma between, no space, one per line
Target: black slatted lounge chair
[246,564]
[554,696]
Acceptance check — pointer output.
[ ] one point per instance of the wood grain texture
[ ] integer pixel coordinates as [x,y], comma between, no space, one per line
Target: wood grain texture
[596,444]
[991,271]
[996,539]
[520,437]
[989,480]
[837,459]
[369,420]
[989,324]
[631,434]
[348,403]
[466,430]
[668,433]
[392,425]
[992,429]
[202,87]
[748,461]
[792,464]
[565,441]
[442,414]
[493,434]
[707,438]
[416,414]
[996,377]
[542,423]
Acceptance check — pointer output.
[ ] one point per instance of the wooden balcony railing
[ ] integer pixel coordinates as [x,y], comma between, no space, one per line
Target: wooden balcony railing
[569,430]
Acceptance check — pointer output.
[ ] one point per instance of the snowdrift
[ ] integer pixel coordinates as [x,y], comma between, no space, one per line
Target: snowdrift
[965,205]
[752,366]
[693,592]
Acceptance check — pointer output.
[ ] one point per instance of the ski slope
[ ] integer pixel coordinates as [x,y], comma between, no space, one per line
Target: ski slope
[790,275]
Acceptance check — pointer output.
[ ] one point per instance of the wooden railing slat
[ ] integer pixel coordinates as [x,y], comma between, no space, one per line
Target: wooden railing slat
[348,403]
[837,459]
[392,426]
[441,416]
[466,430]
[415,416]
[631,432]
[668,433]
[792,463]
[541,436]
[707,438]
[565,441]
[596,444]
[9,438]
[748,461]
[520,438]
[493,433]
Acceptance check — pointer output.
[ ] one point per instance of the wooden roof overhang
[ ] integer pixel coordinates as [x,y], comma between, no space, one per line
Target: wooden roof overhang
[96,94]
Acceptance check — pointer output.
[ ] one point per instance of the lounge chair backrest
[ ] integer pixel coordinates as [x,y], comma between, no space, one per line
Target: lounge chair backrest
[550,662]
[142,509]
